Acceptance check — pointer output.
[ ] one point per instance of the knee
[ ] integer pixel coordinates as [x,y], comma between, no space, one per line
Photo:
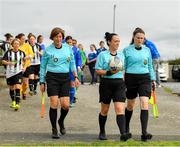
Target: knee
[17,86]
[54,104]
[11,88]
[26,85]
[144,105]
[119,110]
[104,112]
[130,106]
[26,81]
[65,107]
[72,84]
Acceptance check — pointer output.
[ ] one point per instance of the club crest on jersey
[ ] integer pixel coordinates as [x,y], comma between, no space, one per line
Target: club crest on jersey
[145,61]
[55,59]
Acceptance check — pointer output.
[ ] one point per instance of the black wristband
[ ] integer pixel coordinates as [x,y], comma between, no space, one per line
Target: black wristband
[108,73]
[76,77]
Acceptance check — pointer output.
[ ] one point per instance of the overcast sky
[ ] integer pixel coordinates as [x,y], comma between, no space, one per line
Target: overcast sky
[88,20]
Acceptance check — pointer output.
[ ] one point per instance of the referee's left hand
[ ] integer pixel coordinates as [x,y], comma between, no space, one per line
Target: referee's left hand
[77,83]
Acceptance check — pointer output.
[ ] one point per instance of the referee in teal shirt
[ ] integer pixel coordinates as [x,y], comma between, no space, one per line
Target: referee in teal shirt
[57,62]
[139,78]
[112,86]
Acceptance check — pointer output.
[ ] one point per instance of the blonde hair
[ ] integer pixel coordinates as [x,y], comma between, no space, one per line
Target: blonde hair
[16,39]
[80,45]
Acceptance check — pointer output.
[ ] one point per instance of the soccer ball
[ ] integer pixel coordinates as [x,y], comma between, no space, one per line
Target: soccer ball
[115,63]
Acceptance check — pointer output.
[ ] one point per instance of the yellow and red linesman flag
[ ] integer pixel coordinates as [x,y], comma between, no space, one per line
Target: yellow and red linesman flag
[152,101]
[42,106]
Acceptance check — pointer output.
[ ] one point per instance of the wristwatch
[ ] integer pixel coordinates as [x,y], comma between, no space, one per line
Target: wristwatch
[41,83]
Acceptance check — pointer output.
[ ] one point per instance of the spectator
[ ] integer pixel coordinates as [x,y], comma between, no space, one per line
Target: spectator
[91,61]
[155,59]
[102,48]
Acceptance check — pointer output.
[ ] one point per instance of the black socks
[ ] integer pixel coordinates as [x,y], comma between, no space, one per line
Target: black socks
[17,96]
[31,84]
[63,115]
[128,115]
[11,93]
[143,118]
[53,117]
[35,84]
[120,119]
[144,121]
[102,122]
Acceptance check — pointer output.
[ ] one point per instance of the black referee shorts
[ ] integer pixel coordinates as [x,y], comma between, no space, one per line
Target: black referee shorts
[112,89]
[58,84]
[137,84]
[16,79]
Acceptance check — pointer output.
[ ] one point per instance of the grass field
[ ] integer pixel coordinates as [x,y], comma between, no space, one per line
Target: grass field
[168,90]
[104,143]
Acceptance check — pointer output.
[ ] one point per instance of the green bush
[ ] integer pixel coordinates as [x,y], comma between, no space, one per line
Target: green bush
[0,61]
[1,52]
[174,62]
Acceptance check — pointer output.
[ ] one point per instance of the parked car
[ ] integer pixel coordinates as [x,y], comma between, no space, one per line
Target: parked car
[162,73]
[176,72]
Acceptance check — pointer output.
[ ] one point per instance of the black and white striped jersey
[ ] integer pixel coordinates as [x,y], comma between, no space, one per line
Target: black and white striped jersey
[5,46]
[36,59]
[17,58]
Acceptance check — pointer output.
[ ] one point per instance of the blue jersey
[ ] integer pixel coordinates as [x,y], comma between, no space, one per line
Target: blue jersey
[57,60]
[138,61]
[102,63]
[42,48]
[77,56]
[99,50]
[92,55]
[154,52]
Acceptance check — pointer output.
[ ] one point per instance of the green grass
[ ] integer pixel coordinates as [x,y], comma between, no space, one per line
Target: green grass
[168,90]
[104,143]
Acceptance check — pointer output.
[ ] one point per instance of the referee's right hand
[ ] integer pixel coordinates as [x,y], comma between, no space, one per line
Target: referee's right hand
[42,88]
[77,83]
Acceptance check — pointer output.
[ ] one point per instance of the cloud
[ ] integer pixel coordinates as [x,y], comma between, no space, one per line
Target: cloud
[88,20]
[46,29]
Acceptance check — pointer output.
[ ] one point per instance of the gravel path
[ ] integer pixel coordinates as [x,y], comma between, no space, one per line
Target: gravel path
[26,126]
